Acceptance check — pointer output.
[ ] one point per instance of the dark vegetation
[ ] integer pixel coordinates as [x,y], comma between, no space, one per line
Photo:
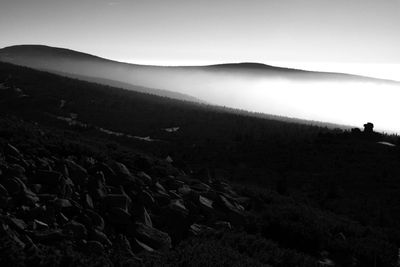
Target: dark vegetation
[299,195]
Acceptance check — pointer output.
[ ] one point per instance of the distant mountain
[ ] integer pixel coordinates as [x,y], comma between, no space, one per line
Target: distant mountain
[254,87]
[81,66]
[172,81]
[68,61]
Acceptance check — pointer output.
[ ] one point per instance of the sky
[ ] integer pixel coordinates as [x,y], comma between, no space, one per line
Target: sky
[322,34]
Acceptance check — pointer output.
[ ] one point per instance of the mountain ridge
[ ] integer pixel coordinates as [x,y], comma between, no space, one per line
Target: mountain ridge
[38,48]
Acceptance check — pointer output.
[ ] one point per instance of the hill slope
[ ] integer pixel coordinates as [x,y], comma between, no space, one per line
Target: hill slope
[254,87]
[215,186]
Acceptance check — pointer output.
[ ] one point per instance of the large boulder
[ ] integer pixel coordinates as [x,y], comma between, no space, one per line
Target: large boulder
[229,210]
[99,236]
[122,253]
[13,151]
[75,230]
[116,200]
[118,216]
[50,181]
[77,173]
[96,220]
[123,175]
[152,237]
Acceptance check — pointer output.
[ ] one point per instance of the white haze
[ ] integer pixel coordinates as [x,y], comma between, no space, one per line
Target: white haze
[337,100]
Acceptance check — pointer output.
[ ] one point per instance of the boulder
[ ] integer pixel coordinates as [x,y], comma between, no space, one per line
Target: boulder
[47,236]
[173,184]
[197,229]
[75,230]
[17,224]
[16,170]
[54,181]
[77,173]
[61,219]
[122,173]
[141,246]
[3,191]
[200,187]
[229,211]
[14,186]
[29,197]
[13,151]
[39,225]
[94,247]
[88,201]
[223,225]
[123,254]
[179,207]
[145,178]
[119,216]
[161,198]
[146,198]
[51,178]
[152,237]
[116,200]
[99,236]
[96,220]
[206,204]
[63,205]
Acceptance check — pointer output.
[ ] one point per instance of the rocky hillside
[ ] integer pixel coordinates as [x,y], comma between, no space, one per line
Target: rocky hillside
[99,176]
[70,201]
[103,207]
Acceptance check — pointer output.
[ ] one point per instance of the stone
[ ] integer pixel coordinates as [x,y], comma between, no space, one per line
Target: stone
[160,188]
[178,206]
[119,216]
[146,219]
[200,187]
[62,203]
[95,247]
[30,198]
[75,229]
[152,237]
[205,203]
[95,218]
[88,201]
[39,225]
[185,190]
[197,229]
[116,200]
[101,237]
[161,198]
[223,225]
[142,246]
[122,173]
[48,178]
[173,184]
[77,173]
[146,198]
[13,151]
[145,178]
[229,209]
[123,253]
[17,224]
[61,219]
[14,186]
[3,191]
[48,236]
[17,171]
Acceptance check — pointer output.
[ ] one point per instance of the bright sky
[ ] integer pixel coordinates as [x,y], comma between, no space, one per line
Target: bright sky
[192,31]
